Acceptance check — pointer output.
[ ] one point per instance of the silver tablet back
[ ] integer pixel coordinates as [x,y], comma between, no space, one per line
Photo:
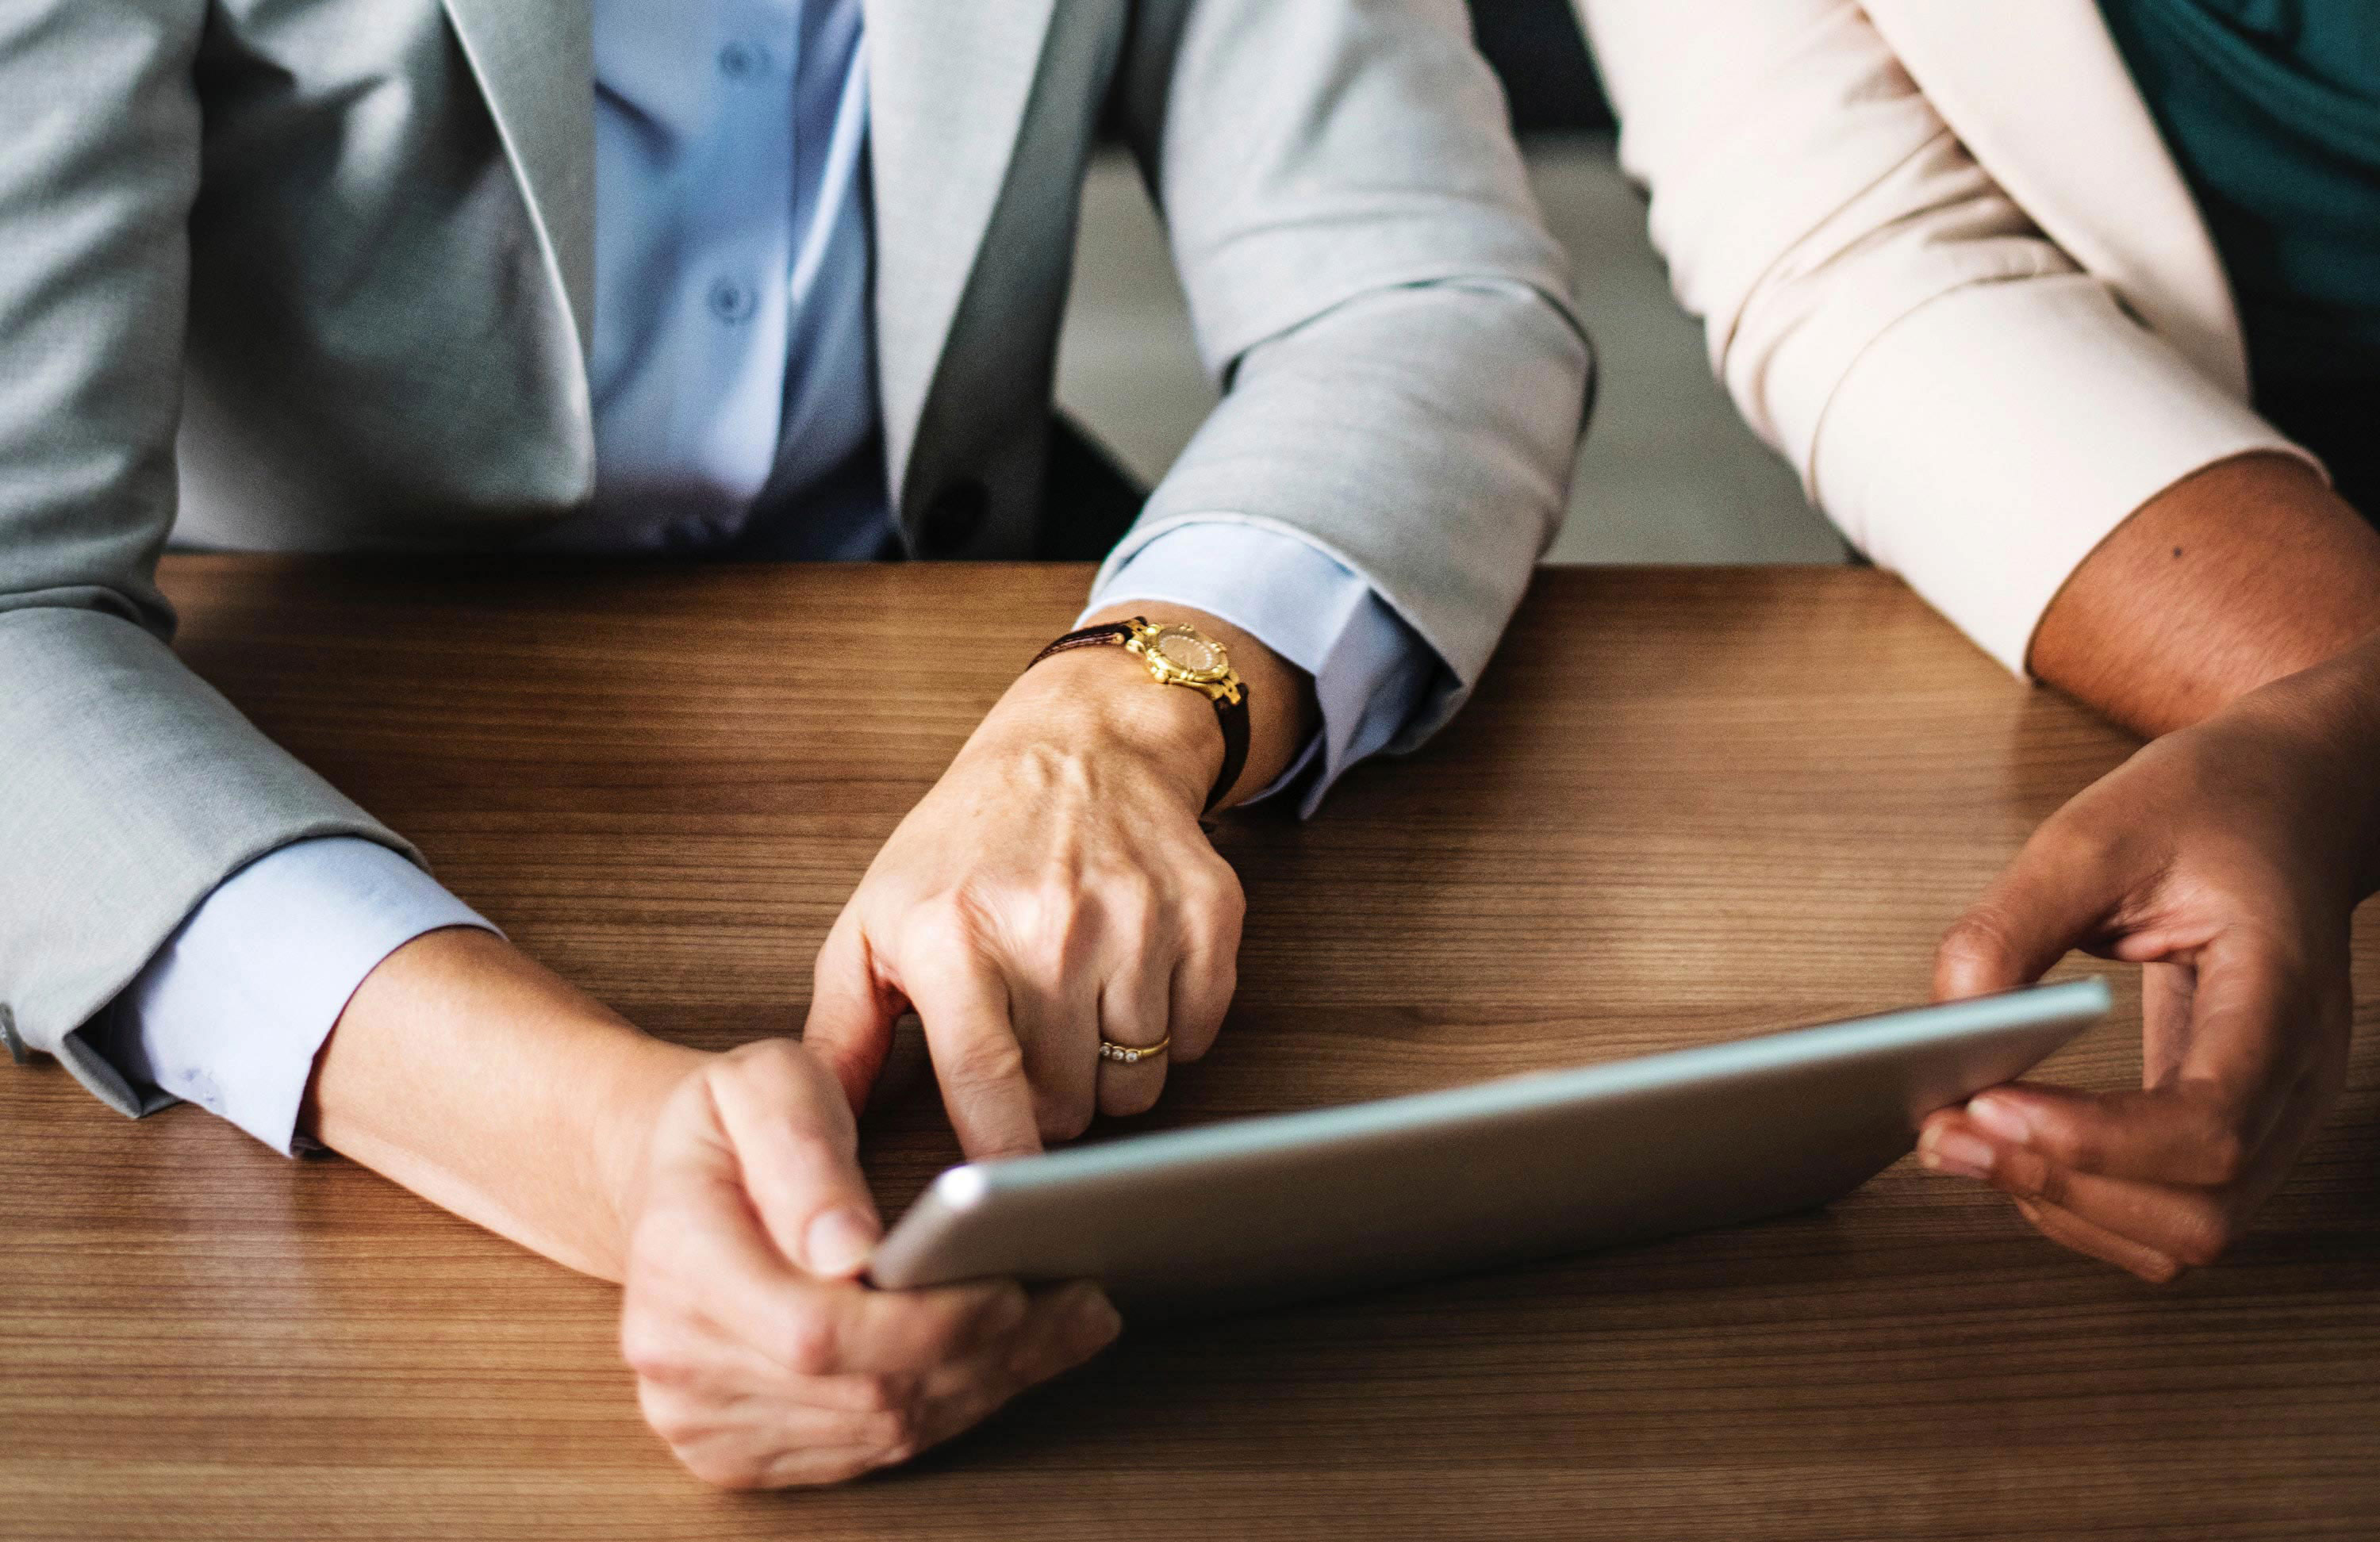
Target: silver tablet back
[1267,1209]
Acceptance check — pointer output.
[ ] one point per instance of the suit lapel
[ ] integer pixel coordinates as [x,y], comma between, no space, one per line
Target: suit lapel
[2048,107]
[949,85]
[534,61]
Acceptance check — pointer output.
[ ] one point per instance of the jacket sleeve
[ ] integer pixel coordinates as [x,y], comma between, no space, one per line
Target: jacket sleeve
[1403,375]
[128,789]
[1971,408]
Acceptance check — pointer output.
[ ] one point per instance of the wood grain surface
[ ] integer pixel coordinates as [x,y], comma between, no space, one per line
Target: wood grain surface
[1684,806]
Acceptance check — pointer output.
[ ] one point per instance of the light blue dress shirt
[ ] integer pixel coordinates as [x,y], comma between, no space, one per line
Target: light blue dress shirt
[733,380]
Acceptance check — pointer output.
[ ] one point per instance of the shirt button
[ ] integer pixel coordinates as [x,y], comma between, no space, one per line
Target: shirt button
[743,61]
[732,302]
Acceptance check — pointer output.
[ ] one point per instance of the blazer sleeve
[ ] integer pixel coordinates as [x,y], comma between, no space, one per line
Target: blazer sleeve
[128,789]
[1971,408]
[1403,375]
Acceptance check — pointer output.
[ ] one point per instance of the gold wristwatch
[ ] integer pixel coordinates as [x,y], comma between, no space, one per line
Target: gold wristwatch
[1179,655]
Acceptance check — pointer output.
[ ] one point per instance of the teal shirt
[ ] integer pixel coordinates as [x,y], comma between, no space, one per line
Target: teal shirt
[2272,110]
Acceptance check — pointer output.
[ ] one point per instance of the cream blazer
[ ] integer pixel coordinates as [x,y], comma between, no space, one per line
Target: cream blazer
[1948,269]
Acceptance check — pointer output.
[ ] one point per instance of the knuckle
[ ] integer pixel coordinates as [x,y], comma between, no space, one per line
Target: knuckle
[1131,908]
[2082,837]
[1000,1304]
[649,1348]
[2081,1150]
[947,925]
[2204,1237]
[808,1347]
[849,930]
[891,1434]
[2099,846]
[879,1394]
[765,1066]
[993,1060]
[810,1148]
[2222,1157]
[666,1414]
[1225,896]
[771,1054]
[1212,894]
[1043,917]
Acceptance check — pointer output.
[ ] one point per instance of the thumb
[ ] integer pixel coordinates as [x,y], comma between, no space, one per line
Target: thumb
[2058,895]
[797,1152]
[850,1026]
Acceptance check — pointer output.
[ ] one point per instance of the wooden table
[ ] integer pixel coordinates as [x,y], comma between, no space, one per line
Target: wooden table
[1686,805]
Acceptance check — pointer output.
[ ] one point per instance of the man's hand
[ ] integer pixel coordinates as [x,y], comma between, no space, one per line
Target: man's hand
[1054,889]
[759,1356]
[2228,859]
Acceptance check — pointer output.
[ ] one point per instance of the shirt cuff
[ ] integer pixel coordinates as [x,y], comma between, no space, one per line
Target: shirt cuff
[232,1010]
[1370,669]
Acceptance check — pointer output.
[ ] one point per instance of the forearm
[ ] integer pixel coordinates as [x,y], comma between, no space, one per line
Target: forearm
[468,1073]
[2250,570]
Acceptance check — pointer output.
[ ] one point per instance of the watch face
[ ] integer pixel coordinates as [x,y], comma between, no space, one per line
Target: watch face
[1192,654]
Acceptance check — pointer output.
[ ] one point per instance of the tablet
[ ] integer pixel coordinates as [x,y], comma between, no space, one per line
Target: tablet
[1258,1211]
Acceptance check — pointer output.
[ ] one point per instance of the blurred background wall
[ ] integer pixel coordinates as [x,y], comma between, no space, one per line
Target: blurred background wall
[1668,473]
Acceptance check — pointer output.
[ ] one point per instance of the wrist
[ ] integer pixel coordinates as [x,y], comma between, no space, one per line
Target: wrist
[466,1072]
[1101,703]
[2354,676]
[637,1082]
[2330,716]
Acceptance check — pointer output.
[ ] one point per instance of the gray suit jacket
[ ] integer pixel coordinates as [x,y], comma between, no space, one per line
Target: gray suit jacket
[316,275]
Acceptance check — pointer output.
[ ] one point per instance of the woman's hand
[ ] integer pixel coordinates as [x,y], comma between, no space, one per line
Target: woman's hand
[2228,859]
[1054,889]
[758,1355]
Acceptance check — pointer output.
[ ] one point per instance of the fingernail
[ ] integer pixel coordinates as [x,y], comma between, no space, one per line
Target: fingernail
[2002,1117]
[1956,1151]
[840,1241]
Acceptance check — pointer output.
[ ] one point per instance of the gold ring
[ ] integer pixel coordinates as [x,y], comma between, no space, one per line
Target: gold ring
[1126,1055]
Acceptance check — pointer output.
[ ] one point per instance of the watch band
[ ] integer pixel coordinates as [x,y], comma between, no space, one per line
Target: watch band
[1230,715]
[1114,632]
